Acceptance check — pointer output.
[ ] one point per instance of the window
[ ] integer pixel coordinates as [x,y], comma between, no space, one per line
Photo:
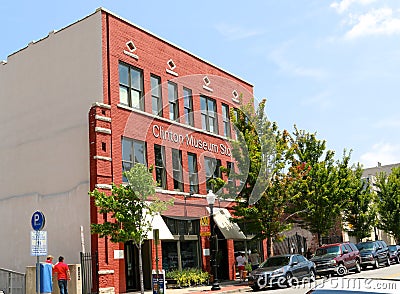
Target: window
[188,106]
[348,247]
[133,151]
[181,254]
[173,101]
[131,86]
[177,169]
[156,97]
[212,168]
[230,166]
[159,162]
[301,258]
[226,121]
[236,116]
[208,114]
[192,170]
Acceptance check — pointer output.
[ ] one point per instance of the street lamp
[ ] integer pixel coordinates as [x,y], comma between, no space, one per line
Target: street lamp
[210,200]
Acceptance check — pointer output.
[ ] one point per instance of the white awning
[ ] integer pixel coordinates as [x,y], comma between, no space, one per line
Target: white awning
[229,229]
[158,223]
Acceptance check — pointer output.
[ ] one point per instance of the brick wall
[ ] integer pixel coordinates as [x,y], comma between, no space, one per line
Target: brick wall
[152,57]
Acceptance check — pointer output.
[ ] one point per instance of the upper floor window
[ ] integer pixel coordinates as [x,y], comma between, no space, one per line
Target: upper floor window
[212,168]
[133,151]
[131,86]
[208,114]
[159,162]
[177,169]
[156,97]
[188,106]
[230,166]
[226,120]
[192,171]
[236,116]
[173,101]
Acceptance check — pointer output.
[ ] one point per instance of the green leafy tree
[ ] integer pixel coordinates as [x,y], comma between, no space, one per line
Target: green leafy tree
[261,154]
[321,191]
[130,210]
[388,199]
[360,214]
[253,151]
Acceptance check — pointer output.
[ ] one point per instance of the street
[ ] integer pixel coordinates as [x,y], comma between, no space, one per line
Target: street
[392,272]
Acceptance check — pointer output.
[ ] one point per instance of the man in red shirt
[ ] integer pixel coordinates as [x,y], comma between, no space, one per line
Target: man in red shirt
[63,275]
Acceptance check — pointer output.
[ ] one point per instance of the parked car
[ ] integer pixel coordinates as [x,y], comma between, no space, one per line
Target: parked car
[337,259]
[394,252]
[374,253]
[282,270]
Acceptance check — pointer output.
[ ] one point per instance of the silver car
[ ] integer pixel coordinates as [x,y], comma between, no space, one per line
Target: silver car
[282,270]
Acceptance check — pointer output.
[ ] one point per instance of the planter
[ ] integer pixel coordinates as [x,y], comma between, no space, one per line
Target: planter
[172,283]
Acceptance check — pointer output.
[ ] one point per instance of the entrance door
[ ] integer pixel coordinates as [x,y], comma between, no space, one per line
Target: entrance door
[132,266]
[222,258]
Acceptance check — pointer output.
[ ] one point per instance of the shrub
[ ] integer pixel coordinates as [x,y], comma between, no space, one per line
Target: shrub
[188,277]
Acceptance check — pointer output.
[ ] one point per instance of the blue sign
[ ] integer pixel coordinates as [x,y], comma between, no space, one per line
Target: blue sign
[37,220]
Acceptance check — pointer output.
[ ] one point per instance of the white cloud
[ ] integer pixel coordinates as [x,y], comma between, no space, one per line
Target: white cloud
[344,5]
[376,22]
[384,153]
[293,69]
[232,33]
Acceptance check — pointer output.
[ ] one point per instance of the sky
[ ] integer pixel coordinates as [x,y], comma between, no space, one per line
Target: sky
[330,67]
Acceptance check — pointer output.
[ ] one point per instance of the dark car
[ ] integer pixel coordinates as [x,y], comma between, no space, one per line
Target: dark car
[374,253]
[337,259]
[282,270]
[394,252]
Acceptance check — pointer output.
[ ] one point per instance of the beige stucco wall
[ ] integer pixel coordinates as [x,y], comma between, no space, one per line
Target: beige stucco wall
[46,91]
[74,285]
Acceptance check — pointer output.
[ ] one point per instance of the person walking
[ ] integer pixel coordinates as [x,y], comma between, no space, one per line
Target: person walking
[241,263]
[49,259]
[63,275]
[254,259]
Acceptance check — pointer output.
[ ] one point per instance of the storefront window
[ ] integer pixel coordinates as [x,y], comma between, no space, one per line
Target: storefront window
[169,255]
[184,252]
[189,254]
[180,255]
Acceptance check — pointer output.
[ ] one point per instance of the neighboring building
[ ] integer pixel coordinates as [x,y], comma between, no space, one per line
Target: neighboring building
[370,175]
[89,101]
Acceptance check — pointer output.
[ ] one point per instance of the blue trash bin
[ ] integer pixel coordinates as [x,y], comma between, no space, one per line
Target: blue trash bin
[46,278]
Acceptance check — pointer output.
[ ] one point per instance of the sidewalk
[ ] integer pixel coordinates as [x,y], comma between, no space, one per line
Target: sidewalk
[226,287]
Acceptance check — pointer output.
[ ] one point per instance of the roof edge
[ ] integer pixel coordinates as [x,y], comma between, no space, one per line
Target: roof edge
[173,44]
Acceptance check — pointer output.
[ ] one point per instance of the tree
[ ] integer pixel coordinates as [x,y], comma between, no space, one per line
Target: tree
[321,190]
[388,198]
[130,210]
[261,151]
[360,214]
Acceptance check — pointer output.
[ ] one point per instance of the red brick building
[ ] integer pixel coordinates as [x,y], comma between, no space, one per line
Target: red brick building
[150,102]
[179,118]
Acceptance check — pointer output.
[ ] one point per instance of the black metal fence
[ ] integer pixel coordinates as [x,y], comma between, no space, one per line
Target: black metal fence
[12,282]
[90,273]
